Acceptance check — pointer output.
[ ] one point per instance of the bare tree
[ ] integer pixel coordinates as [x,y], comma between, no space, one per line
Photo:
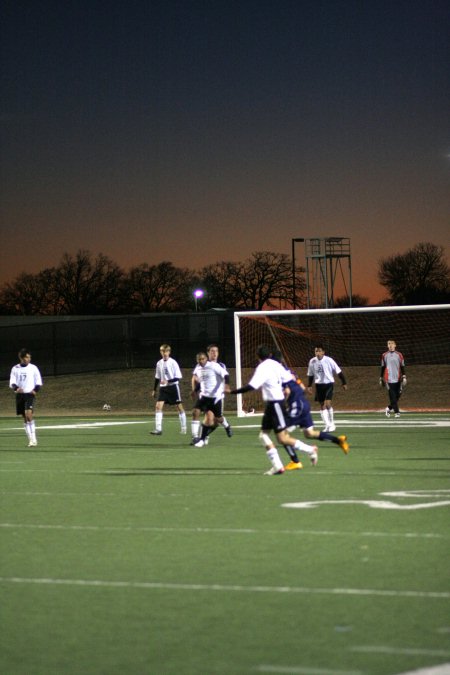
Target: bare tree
[87,285]
[419,276]
[263,280]
[357,301]
[159,288]
[31,294]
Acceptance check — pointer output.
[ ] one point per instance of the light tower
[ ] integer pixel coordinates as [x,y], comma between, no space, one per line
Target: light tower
[326,271]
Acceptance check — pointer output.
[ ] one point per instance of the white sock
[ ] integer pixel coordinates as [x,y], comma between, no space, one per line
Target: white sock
[274,459]
[31,431]
[27,430]
[331,416]
[182,416]
[225,422]
[324,417]
[302,447]
[195,428]
[158,421]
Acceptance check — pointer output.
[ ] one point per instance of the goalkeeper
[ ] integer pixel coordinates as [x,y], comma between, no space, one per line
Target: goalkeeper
[392,376]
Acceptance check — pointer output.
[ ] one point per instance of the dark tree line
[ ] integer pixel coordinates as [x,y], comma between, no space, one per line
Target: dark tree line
[87,285]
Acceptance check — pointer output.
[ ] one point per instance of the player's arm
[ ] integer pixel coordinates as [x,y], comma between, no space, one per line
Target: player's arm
[155,387]
[382,370]
[242,390]
[343,379]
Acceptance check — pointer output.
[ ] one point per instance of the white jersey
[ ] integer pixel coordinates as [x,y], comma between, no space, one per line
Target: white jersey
[323,370]
[166,371]
[25,377]
[269,377]
[211,377]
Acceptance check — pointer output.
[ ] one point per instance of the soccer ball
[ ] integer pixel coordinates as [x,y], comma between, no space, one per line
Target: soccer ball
[106,407]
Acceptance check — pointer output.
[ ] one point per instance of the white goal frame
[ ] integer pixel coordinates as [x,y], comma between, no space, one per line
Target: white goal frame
[306,312]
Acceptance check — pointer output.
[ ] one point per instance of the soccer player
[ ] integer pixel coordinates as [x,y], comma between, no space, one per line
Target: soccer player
[167,377]
[321,370]
[392,376]
[269,377]
[211,377]
[26,381]
[212,352]
[299,415]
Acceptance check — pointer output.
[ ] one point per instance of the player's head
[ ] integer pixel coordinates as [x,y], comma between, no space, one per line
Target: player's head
[165,351]
[202,358]
[263,352]
[213,352]
[319,351]
[277,356]
[24,355]
[391,345]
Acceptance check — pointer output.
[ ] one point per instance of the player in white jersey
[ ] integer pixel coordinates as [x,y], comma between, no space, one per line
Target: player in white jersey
[392,376]
[26,381]
[321,371]
[212,352]
[269,377]
[211,378]
[167,377]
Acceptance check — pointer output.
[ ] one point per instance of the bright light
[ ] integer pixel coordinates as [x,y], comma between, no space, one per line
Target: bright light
[198,293]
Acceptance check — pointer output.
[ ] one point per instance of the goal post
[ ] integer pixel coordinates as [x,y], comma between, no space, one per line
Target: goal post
[356,338]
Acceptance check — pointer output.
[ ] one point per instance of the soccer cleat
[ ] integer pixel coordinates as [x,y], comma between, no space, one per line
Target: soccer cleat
[195,440]
[199,444]
[343,444]
[32,444]
[183,431]
[314,457]
[397,415]
[387,412]
[292,466]
[155,432]
[229,431]
[331,427]
[274,472]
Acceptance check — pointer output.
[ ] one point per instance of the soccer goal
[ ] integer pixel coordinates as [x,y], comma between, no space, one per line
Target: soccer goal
[356,338]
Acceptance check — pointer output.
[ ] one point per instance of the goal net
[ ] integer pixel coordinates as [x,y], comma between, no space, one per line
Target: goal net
[356,338]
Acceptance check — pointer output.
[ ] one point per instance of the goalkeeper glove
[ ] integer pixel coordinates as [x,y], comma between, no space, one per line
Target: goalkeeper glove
[381,382]
[404,381]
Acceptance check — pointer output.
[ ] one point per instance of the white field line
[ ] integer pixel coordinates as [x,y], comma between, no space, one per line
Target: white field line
[229,588]
[303,670]
[443,669]
[406,651]
[221,531]
[352,422]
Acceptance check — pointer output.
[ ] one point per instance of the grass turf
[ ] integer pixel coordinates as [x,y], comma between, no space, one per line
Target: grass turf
[125,553]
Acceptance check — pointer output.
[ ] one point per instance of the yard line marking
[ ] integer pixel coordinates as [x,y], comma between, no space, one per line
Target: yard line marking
[410,651]
[162,585]
[221,530]
[80,425]
[443,669]
[303,670]
[372,503]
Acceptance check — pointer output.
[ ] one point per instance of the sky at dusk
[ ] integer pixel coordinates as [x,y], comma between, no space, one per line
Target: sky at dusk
[197,131]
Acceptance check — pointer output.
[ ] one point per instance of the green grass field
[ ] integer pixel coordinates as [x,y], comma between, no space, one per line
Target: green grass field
[129,554]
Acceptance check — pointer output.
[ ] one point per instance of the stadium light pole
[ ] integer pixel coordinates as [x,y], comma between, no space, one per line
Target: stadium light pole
[294,241]
[198,294]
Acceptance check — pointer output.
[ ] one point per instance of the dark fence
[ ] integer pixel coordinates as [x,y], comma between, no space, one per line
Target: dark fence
[64,345]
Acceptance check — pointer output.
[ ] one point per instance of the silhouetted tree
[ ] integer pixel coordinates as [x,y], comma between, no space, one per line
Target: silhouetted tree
[159,288]
[31,294]
[419,276]
[357,301]
[261,281]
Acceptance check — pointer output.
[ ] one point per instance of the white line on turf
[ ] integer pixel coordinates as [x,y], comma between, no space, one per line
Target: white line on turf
[231,588]
[303,670]
[443,669]
[407,651]
[223,530]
